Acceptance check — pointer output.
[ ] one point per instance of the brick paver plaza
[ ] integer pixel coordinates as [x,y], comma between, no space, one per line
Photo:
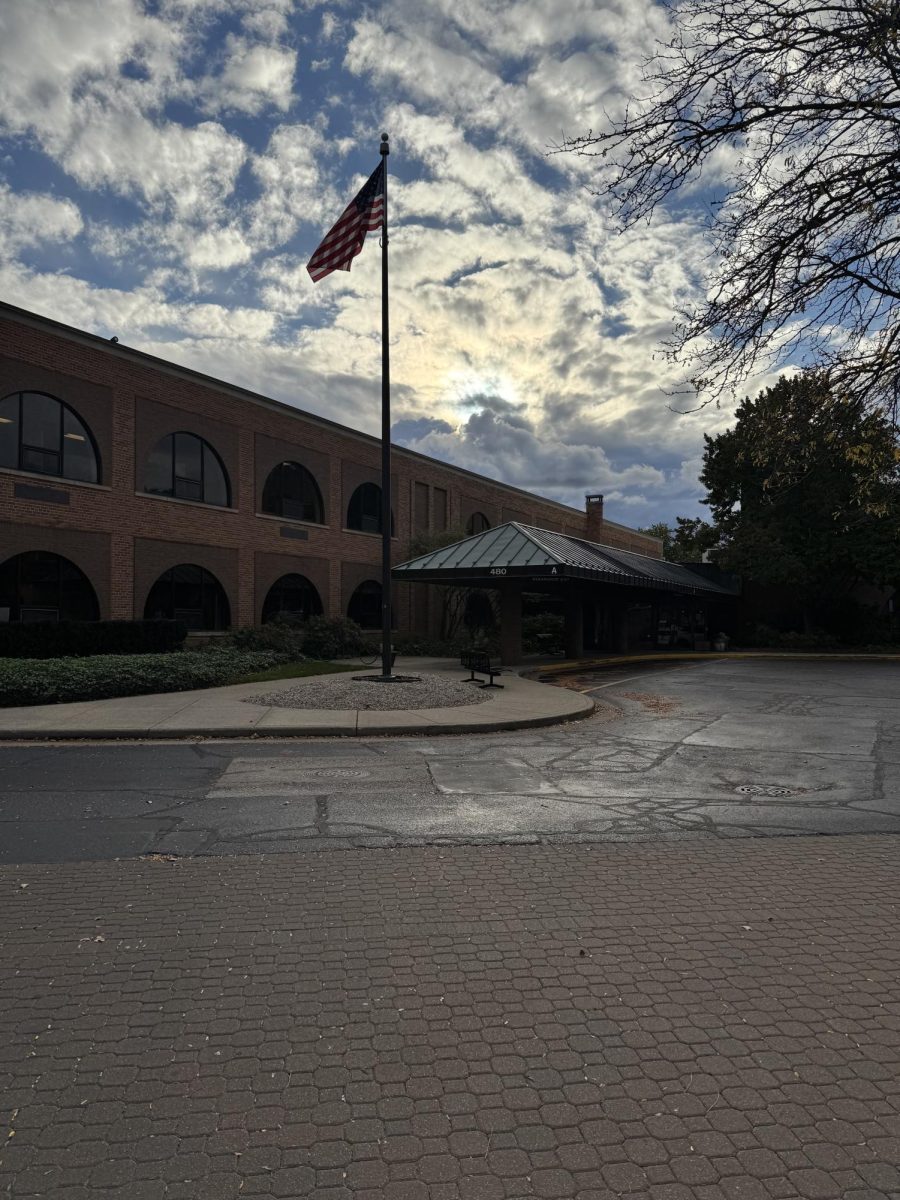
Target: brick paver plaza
[709,1019]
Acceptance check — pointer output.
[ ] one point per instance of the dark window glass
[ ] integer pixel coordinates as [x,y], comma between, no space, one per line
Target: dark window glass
[158,473]
[185,466]
[215,485]
[292,595]
[39,586]
[191,594]
[46,462]
[41,417]
[189,459]
[420,508]
[291,491]
[364,509]
[40,433]
[477,523]
[79,460]
[365,605]
[439,497]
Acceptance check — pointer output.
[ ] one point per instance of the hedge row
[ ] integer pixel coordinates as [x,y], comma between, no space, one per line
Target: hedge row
[79,639]
[26,681]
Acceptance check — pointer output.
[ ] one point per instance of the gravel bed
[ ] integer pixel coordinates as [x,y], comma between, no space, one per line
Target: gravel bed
[345,692]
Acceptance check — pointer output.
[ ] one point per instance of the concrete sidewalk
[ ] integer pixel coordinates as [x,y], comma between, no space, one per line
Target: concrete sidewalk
[222,712]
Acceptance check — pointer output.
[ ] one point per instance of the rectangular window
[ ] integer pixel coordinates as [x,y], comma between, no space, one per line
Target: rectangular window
[45,461]
[420,508]
[439,497]
[188,489]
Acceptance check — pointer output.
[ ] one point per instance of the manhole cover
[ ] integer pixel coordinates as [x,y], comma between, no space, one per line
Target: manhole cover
[762,789]
[341,773]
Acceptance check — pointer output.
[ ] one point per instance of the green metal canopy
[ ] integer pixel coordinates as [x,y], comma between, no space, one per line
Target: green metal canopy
[539,556]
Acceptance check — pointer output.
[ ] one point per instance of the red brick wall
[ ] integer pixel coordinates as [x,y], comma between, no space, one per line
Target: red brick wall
[131,402]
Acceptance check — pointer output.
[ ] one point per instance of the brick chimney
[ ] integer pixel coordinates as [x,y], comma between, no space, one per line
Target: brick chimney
[593,506]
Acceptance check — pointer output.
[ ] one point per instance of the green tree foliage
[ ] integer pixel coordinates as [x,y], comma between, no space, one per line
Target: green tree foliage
[805,491]
[451,600]
[690,538]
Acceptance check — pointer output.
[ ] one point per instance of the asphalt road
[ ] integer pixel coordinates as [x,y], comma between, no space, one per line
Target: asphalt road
[711,750]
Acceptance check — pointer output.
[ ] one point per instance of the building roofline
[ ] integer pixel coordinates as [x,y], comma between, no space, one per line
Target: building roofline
[117,350]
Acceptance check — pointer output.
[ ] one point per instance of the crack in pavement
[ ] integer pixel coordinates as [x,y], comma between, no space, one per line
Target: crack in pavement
[643,776]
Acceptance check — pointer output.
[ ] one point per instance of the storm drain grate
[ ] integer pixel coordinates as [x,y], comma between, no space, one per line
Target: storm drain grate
[341,773]
[762,789]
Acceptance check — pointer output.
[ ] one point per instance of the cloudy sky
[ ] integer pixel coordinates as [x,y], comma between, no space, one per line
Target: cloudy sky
[167,167]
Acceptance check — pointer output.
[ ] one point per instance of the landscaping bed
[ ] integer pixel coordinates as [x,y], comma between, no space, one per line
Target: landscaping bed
[29,681]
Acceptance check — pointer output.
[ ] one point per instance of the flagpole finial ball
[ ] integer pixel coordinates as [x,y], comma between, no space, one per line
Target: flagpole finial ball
[384,147]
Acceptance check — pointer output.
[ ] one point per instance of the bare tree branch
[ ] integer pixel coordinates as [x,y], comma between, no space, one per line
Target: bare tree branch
[804,101]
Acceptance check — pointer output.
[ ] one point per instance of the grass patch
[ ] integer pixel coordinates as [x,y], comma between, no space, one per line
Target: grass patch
[296,670]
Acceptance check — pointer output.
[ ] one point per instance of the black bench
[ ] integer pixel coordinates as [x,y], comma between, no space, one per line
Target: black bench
[477,661]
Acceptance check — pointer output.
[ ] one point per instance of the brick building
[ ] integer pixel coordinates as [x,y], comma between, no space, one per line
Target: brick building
[131,486]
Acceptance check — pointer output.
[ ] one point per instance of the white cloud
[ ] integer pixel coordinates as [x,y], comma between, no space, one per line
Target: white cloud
[254,76]
[218,249]
[62,82]
[31,218]
[510,285]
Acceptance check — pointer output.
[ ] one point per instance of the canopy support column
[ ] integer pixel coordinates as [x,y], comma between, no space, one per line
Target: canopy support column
[574,618]
[510,627]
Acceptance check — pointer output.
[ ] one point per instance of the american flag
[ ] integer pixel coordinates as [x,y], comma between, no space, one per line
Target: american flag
[344,241]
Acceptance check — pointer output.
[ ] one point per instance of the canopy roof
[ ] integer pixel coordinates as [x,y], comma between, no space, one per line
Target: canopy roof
[522,552]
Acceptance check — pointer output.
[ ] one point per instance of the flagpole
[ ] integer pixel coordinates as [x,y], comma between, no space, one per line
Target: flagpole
[386,665]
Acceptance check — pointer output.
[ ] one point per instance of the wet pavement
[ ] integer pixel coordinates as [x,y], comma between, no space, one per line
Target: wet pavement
[719,749]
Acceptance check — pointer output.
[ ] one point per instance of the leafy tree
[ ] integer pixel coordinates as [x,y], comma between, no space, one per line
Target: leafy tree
[688,541]
[797,107]
[661,530]
[451,600]
[805,491]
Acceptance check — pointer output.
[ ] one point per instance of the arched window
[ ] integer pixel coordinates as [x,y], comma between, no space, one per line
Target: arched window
[294,596]
[291,491]
[39,586]
[40,433]
[365,605]
[477,523]
[186,467]
[191,594]
[364,509]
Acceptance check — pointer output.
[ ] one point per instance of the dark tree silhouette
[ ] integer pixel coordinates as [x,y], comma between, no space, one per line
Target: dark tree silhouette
[804,491]
[798,104]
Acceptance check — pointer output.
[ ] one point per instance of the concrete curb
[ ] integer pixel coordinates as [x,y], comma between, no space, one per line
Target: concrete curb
[211,713]
[290,731]
[575,665]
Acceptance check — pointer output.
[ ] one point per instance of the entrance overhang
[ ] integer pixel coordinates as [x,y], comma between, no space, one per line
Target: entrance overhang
[516,558]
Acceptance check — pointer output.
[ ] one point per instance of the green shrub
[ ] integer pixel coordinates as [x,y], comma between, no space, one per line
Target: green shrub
[544,633]
[766,638]
[79,639]
[25,681]
[420,645]
[334,637]
[277,637]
